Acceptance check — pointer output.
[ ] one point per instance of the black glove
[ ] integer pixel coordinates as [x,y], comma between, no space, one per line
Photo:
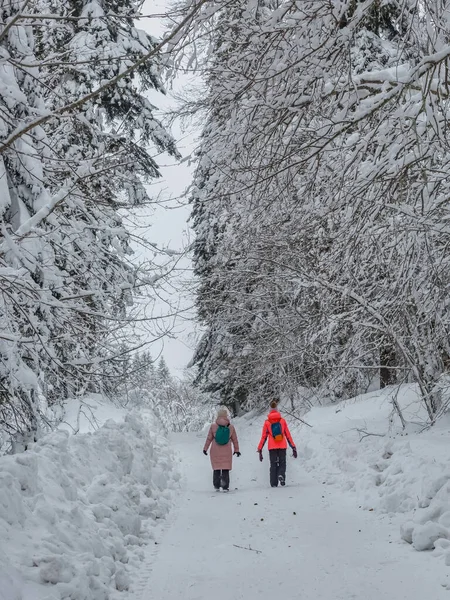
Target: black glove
[294,452]
[205,453]
[237,454]
[260,455]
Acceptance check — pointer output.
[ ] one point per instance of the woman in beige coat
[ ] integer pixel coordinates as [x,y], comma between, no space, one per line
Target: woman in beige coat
[222,453]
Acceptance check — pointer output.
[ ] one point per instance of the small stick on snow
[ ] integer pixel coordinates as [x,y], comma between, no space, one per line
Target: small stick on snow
[363,434]
[249,548]
[295,417]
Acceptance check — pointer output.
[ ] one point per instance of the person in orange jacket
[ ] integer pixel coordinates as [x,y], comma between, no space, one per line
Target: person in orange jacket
[276,429]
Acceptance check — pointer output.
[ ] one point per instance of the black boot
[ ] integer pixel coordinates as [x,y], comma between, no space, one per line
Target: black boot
[282,467]
[225,480]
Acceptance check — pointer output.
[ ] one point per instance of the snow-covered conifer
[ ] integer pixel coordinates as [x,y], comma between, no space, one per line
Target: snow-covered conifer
[68,280]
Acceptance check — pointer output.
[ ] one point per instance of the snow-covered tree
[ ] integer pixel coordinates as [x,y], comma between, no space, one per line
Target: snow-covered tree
[322,190]
[162,373]
[75,154]
[143,372]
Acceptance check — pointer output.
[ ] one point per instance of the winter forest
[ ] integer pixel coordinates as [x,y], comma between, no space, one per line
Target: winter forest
[317,273]
[319,200]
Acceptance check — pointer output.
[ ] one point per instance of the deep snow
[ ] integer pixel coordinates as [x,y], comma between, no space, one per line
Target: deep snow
[77,510]
[84,517]
[309,540]
[401,473]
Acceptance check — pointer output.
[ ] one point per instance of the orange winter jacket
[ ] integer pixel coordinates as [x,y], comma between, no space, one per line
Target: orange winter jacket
[273,417]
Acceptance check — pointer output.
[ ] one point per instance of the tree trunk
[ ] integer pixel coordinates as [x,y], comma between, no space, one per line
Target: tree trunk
[387,361]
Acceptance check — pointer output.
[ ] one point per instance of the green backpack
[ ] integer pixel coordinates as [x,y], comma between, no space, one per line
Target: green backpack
[222,436]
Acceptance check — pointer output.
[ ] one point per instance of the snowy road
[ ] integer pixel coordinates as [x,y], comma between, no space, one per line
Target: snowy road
[313,542]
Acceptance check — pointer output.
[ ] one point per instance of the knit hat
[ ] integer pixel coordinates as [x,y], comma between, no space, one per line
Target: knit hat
[222,412]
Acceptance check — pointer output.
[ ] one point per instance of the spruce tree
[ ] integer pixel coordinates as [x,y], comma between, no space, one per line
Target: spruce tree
[163,376]
[65,186]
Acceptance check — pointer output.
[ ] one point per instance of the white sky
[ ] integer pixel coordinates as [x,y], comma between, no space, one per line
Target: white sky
[168,225]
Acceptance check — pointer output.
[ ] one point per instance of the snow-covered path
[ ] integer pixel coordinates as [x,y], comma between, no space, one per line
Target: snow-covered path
[313,542]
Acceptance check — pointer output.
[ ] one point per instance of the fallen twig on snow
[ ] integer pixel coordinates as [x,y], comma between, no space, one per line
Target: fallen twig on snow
[295,417]
[363,434]
[249,548]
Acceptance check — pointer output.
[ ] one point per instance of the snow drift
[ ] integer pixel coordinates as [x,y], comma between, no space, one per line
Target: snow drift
[75,510]
[360,446]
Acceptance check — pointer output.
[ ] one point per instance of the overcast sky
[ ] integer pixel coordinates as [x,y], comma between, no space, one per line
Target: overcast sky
[168,225]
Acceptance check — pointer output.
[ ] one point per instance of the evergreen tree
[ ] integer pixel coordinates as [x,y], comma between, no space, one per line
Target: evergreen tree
[163,377]
[65,254]
[220,355]
[143,371]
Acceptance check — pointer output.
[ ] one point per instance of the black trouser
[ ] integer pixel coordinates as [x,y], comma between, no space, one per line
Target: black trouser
[221,478]
[277,465]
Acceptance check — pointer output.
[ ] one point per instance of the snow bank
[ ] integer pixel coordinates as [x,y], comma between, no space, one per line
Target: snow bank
[360,446]
[75,510]
[83,415]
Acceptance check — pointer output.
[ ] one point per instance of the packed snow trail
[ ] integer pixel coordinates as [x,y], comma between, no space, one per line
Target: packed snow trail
[307,541]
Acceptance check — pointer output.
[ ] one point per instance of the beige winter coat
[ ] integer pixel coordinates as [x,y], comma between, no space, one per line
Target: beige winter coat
[221,456]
